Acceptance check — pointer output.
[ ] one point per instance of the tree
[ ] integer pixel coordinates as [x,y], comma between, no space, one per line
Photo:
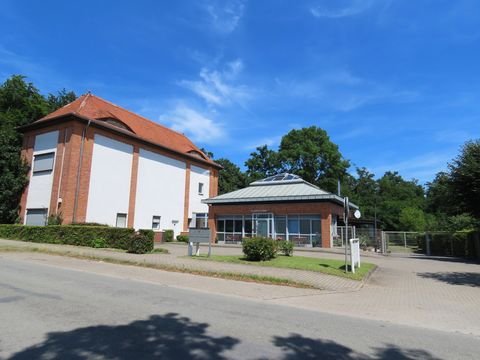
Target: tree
[412,219]
[20,104]
[441,198]
[395,194]
[465,177]
[364,189]
[309,153]
[62,98]
[263,163]
[230,178]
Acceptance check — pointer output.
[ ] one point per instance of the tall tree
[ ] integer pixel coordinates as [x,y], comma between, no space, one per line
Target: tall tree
[20,104]
[309,153]
[364,192]
[263,163]
[465,177]
[230,177]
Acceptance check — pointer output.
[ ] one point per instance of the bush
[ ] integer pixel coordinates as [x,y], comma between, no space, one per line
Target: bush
[286,247]
[55,219]
[168,235]
[141,242]
[182,238]
[259,249]
[92,236]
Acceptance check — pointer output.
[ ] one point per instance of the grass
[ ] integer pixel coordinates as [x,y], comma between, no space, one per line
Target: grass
[270,280]
[325,266]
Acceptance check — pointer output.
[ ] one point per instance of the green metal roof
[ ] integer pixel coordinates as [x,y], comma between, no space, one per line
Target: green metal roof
[278,188]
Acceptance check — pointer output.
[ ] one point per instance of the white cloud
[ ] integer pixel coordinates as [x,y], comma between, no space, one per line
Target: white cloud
[271,142]
[342,91]
[225,15]
[217,87]
[339,9]
[195,125]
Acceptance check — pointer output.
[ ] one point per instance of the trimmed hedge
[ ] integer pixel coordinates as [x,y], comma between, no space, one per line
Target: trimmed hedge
[92,236]
[141,242]
[458,244]
[259,248]
[168,235]
[182,238]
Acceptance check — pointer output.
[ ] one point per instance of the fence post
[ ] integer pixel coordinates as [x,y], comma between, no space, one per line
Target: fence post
[427,242]
[405,239]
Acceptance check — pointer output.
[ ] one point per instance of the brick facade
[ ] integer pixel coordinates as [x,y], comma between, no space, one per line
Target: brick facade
[324,209]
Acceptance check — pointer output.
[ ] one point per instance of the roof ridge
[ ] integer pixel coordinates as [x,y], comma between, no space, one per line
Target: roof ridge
[135,114]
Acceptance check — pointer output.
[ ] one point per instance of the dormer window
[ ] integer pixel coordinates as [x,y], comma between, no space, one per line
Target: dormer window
[115,122]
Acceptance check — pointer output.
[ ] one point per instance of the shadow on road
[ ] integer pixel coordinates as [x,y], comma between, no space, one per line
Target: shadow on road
[298,347]
[454,278]
[161,337]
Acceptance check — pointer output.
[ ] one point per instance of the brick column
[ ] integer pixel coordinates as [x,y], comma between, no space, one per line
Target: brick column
[186,201]
[326,220]
[133,188]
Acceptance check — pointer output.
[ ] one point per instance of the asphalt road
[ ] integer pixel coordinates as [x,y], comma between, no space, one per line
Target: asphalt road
[53,312]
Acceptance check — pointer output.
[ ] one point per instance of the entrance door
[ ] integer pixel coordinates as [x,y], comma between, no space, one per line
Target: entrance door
[263,224]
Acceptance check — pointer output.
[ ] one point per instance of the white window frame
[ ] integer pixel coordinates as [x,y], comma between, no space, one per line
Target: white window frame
[36,157]
[156,224]
[201,186]
[121,215]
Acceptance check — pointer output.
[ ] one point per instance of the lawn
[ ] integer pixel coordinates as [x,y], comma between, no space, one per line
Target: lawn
[325,266]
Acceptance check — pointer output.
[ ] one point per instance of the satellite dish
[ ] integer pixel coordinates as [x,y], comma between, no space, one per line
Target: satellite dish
[357,214]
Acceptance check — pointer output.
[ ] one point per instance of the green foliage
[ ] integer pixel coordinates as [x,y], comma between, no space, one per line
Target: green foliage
[87,224]
[20,104]
[465,177]
[230,178]
[285,247]
[141,242]
[309,153]
[111,237]
[458,244]
[55,219]
[168,235]
[263,163]
[259,248]
[182,238]
[412,219]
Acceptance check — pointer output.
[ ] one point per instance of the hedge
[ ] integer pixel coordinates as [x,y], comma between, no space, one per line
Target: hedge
[79,235]
[458,244]
[168,235]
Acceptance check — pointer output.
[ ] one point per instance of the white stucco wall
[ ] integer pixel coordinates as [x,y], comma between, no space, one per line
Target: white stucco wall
[160,191]
[40,185]
[109,189]
[198,175]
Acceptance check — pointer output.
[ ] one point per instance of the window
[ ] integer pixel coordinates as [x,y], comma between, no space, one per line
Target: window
[200,220]
[36,217]
[121,220]
[43,163]
[156,222]
[200,188]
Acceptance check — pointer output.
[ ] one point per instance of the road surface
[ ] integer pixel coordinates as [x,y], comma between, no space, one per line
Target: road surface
[56,312]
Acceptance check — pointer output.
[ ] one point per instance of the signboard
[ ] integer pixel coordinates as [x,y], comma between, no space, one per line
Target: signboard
[197,237]
[354,254]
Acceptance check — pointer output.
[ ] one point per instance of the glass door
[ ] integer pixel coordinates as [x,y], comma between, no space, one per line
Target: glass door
[263,224]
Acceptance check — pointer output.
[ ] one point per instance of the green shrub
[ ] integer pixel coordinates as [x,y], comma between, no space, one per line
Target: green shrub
[150,234]
[168,235]
[140,243]
[87,224]
[55,219]
[259,248]
[92,236]
[286,247]
[182,238]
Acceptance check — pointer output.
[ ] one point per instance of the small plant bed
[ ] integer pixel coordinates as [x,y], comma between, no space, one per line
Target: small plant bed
[160,251]
[325,266]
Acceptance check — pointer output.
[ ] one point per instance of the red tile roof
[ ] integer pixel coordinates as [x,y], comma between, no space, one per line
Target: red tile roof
[96,108]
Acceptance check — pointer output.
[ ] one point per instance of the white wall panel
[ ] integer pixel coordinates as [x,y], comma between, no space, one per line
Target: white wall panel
[109,189]
[198,175]
[40,185]
[160,191]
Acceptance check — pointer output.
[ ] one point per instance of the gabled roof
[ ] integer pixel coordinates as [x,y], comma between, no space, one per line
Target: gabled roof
[278,188]
[104,112]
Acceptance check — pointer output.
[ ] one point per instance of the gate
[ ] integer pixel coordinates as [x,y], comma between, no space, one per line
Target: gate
[404,242]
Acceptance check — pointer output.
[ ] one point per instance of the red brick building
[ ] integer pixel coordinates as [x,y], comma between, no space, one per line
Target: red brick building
[93,161]
[281,207]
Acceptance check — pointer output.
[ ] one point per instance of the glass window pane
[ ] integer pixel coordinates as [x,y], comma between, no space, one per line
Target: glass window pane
[229,225]
[43,162]
[293,226]
[238,226]
[315,226]
[36,217]
[304,226]
[121,220]
[220,237]
[221,225]
[280,225]
[248,225]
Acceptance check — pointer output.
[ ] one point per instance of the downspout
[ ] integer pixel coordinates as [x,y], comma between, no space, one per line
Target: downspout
[77,189]
[61,167]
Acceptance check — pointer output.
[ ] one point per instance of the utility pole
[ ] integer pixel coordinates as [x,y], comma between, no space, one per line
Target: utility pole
[346,211]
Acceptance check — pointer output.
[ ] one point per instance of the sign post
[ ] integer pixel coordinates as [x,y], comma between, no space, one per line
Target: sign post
[346,212]
[354,254]
[197,237]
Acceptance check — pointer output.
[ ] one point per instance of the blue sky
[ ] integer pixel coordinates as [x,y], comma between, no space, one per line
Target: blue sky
[394,82]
